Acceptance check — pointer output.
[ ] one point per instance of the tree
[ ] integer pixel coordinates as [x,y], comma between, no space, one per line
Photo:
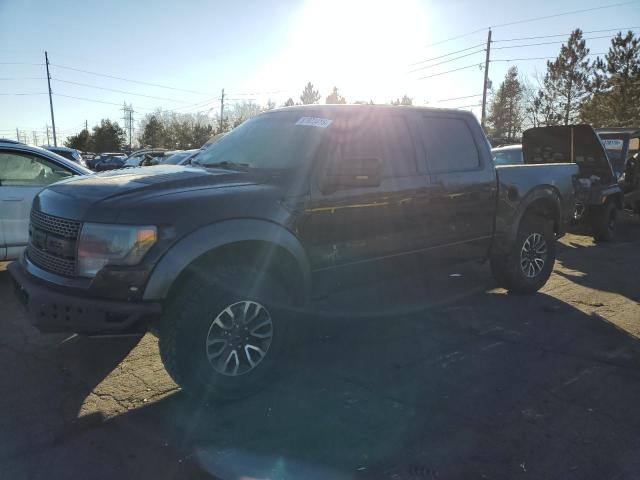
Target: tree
[108,136]
[506,109]
[309,95]
[615,86]
[242,111]
[404,101]
[566,82]
[153,132]
[335,98]
[81,141]
[289,103]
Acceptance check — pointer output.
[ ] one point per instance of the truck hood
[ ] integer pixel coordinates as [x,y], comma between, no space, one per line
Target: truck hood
[568,144]
[72,198]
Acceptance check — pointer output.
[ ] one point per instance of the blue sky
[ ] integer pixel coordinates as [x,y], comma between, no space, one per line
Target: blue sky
[264,49]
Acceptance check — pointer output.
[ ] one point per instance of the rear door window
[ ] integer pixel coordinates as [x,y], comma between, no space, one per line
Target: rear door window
[449,145]
[386,138]
[25,170]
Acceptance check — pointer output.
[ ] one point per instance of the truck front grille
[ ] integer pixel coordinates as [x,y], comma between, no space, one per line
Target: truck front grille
[51,263]
[59,226]
[52,243]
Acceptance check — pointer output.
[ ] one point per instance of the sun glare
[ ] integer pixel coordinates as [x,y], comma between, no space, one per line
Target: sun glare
[362,47]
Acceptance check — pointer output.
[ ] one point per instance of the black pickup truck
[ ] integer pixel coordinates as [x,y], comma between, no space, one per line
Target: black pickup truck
[221,257]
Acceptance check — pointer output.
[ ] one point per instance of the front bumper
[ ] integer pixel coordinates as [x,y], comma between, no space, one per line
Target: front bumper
[54,310]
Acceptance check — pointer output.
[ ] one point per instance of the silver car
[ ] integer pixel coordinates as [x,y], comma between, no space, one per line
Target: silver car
[24,171]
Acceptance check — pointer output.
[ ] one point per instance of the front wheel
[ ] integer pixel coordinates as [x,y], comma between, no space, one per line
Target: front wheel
[223,333]
[528,265]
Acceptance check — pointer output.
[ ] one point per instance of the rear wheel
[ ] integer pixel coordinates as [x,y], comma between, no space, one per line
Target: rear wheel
[528,265]
[603,220]
[223,333]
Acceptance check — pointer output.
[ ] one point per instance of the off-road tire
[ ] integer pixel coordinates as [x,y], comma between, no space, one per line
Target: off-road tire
[507,269]
[183,329]
[603,220]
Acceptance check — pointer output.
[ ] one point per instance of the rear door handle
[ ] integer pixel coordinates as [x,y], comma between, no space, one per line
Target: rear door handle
[13,199]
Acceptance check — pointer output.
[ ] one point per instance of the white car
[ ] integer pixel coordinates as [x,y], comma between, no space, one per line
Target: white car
[24,171]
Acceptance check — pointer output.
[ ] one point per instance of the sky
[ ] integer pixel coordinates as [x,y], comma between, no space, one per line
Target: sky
[268,50]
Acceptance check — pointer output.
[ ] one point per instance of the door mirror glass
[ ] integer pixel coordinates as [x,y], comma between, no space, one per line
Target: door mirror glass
[351,172]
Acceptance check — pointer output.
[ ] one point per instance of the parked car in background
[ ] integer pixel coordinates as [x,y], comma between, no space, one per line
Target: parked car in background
[108,161]
[623,149]
[180,158]
[24,171]
[598,193]
[139,156]
[217,257]
[69,153]
[508,155]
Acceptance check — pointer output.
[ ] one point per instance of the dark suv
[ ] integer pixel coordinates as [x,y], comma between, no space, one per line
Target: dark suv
[218,257]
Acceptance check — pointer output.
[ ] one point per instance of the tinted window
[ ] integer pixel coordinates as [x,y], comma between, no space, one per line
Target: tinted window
[23,170]
[449,145]
[386,138]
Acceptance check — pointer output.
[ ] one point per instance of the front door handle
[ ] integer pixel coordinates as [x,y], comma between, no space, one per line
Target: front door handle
[13,199]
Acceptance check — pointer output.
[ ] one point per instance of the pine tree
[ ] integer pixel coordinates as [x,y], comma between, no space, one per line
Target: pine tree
[566,82]
[335,98]
[82,141]
[404,101]
[506,110]
[309,95]
[615,86]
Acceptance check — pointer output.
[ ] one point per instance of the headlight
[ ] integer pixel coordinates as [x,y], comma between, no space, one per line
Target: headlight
[101,244]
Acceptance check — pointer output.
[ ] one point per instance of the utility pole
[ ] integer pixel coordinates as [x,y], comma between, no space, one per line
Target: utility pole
[221,110]
[35,138]
[53,122]
[17,134]
[486,80]
[47,125]
[86,125]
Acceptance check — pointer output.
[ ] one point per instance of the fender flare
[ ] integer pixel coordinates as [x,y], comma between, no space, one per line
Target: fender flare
[205,239]
[546,192]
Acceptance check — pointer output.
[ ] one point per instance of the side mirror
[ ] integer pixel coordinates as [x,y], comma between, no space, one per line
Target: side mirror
[351,172]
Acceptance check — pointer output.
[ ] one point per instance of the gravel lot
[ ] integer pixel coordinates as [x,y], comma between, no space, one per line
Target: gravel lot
[436,375]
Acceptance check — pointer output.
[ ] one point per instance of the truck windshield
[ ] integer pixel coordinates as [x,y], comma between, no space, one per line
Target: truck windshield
[271,141]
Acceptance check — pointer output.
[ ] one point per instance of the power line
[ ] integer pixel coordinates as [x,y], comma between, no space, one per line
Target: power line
[564,34]
[458,98]
[455,38]
[573,12]
[447,54]
[128,79]
[534,19]
[538,58]
[546,43]
[39,93]
[468,106]
[23,78]
[21,63]
[450,71]
[446,61]
[118,91]
[95,101]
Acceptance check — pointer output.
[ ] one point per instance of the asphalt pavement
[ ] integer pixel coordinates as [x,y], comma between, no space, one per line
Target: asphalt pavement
[431,374]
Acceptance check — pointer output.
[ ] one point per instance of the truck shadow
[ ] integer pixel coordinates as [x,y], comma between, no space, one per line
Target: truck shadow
[431,375]
[494,385]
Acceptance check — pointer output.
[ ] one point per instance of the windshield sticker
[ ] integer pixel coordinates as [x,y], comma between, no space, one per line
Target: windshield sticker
[612,144]
[314,122]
